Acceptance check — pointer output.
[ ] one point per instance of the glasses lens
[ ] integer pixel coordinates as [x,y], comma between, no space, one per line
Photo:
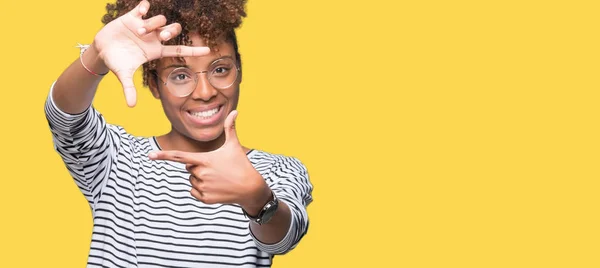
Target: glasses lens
[222,73]
[181,81]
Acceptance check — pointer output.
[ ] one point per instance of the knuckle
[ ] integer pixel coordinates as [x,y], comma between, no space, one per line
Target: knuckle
[190,168]
[195,194]
[200,187]
[177,155]
[194,183]
[208,200]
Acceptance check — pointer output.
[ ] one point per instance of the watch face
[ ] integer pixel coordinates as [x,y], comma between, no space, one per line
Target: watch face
[269,212]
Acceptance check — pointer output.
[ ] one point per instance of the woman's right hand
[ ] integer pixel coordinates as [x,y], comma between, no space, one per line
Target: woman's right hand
[129,41]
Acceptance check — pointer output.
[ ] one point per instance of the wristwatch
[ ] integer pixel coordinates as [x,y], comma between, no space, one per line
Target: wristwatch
[266,213]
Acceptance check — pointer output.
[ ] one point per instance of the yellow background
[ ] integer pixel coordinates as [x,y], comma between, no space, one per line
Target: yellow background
[436,133]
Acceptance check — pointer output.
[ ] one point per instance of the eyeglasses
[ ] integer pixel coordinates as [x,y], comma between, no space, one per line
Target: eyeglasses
[221,74]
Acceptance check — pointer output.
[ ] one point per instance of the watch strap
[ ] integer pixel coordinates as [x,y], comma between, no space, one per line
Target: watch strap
[266,213]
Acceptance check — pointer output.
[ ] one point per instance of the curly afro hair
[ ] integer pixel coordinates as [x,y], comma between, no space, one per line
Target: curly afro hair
[213,20]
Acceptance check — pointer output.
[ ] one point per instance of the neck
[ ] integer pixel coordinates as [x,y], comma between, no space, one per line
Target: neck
[176,141]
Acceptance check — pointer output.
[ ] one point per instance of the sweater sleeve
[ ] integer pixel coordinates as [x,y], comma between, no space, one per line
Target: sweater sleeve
[86,144]
[289,180]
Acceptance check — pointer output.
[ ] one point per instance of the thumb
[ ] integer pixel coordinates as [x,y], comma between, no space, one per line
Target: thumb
[126,79]
[230,133]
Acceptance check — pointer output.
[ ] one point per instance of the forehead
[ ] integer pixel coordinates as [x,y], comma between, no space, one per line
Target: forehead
[222,49]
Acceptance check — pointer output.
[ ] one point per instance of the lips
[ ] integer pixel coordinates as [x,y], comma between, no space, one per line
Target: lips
[205,116]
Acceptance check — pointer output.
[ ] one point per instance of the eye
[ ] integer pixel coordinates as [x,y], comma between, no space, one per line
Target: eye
[180,77]
[221,70]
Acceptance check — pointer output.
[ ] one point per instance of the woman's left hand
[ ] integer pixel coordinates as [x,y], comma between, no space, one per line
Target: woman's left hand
[224,175]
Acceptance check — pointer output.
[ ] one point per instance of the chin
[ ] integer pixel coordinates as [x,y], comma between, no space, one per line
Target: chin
[205,135]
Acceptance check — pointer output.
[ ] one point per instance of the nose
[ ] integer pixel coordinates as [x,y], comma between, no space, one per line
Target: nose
[204,90]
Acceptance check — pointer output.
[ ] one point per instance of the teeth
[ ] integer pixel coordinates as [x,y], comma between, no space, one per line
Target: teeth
[205,114]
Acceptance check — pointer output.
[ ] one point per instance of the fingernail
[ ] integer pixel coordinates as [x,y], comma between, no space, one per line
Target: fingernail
[143,9]
[152,155]
[165,35]
[141,30]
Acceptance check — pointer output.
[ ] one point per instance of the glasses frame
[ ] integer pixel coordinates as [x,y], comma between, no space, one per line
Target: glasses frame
[197,77]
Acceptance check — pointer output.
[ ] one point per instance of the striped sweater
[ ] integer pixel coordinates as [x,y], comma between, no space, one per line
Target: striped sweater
[143,212]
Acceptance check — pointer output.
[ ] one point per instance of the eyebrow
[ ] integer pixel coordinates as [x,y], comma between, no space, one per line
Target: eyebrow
[178,65]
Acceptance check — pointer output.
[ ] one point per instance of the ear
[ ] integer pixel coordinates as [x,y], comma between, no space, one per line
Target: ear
[153,84]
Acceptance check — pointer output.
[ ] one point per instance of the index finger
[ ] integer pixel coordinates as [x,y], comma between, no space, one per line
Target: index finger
[177,156]
[184,51]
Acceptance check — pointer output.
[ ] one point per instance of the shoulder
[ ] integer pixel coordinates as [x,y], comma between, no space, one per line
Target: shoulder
[283,172]
[128,139]
[276,161]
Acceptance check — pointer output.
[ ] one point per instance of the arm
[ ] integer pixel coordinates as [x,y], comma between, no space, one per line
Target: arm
[75,88]
[290,182]
[80,134]
[275,230]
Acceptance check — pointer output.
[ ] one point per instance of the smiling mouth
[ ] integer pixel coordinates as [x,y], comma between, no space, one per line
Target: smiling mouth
[206,114]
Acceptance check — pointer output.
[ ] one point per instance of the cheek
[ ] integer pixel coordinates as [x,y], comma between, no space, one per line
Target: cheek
[172,109]
[233,99]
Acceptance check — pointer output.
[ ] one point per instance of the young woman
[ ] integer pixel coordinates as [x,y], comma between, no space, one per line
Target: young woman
[193,197]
